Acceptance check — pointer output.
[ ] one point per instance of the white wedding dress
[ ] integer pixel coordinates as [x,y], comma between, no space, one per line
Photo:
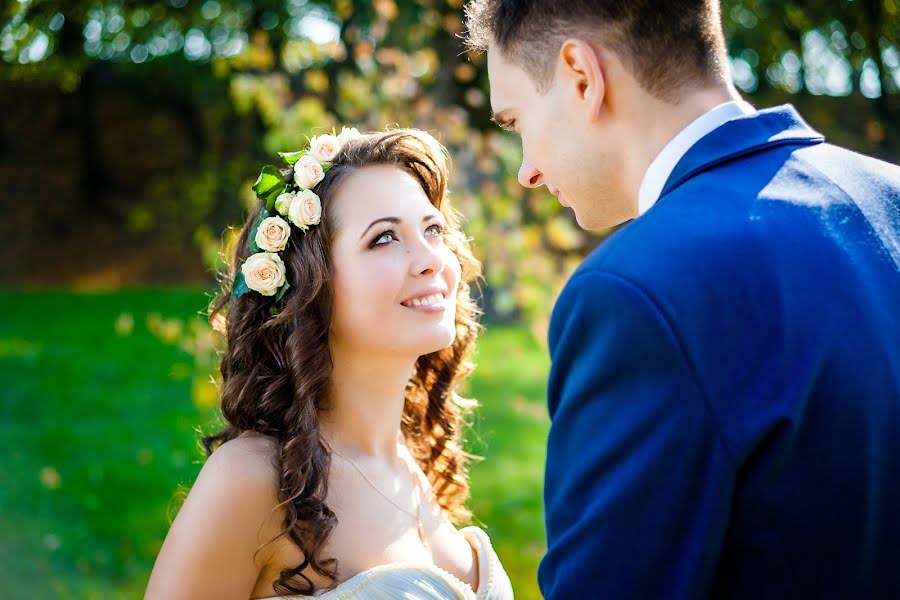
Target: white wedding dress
[412,581]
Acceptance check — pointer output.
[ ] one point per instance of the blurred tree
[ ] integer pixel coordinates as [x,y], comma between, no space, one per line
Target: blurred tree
[786,51]
[168,107]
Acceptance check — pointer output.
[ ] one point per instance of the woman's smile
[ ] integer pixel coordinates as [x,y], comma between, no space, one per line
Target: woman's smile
[432,300]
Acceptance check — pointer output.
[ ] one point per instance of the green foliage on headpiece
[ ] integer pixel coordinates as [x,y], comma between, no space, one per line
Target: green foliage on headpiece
[291,158]
[282,290]
[269,185]
[254,248]
[240,286]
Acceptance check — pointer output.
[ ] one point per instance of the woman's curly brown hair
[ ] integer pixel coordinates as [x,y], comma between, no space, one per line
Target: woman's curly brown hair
[276,369]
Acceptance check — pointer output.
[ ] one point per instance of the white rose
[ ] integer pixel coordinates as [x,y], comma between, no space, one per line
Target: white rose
[264,273]
[306,210]
[324,147]
[348,135]
[283,202]
[308,172]
[273,234]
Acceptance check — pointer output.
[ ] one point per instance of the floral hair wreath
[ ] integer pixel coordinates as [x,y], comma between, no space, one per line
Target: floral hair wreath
[264,271]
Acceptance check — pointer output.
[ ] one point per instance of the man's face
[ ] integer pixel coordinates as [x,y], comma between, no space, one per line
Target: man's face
[562,148]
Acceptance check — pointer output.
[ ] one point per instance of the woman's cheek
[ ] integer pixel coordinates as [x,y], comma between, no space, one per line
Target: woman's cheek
[379,282]
[452,268]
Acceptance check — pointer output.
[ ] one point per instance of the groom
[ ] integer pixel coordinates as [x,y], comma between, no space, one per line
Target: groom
[725,383]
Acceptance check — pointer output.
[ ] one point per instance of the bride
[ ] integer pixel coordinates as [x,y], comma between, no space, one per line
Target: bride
[348,321]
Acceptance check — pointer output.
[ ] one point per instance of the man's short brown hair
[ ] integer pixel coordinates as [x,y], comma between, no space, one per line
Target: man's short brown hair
[667,44]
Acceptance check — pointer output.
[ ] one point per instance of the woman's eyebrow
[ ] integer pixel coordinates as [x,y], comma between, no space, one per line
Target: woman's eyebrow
[395,221]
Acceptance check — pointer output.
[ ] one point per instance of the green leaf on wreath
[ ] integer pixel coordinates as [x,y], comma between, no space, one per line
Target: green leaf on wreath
[269,178]
[263,214]
[269,185]
[291,157]
[270,199]
[282,290]
[240,286]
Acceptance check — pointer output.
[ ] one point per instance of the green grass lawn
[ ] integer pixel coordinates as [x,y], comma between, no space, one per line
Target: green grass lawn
[98,432]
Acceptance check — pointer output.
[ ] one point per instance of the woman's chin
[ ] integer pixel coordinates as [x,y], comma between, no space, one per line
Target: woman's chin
[439,341]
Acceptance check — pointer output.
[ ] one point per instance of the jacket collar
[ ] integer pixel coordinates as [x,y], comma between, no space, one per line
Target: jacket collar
[781,125]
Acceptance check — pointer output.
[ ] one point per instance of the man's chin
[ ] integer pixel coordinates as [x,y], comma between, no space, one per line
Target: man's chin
[598,223]
[602,221]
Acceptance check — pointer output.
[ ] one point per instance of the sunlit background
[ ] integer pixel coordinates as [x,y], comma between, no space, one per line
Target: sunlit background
[131,133]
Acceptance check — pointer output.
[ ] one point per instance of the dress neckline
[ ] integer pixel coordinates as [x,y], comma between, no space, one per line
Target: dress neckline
[478,540]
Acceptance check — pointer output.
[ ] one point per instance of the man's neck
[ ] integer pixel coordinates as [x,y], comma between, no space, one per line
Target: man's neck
[658,122]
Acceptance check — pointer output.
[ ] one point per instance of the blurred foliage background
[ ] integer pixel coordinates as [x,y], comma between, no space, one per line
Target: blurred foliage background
[130,136]
[141,124]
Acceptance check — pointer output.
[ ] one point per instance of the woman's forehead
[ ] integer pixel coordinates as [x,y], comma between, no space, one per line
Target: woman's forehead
[380,191]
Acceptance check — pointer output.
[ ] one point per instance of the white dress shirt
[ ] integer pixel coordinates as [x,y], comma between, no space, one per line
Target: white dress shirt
[663,165]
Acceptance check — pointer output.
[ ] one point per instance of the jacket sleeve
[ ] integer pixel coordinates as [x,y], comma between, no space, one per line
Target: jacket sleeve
[638,480]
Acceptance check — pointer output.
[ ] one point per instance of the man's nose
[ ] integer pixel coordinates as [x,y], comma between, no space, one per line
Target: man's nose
[529,176]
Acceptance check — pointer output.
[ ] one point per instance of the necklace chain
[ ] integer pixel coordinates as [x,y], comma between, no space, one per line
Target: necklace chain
[417,516]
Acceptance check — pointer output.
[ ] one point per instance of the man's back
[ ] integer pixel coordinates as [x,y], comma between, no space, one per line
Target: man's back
[772,267]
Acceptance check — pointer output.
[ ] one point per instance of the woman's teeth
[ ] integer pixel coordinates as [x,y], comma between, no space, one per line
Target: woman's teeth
[426,301]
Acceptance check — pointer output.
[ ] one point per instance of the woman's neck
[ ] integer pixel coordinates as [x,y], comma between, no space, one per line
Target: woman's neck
[367,398]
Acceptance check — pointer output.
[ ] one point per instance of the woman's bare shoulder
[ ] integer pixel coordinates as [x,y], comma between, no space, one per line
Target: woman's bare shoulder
[244,469]
[226,517]
[249,455]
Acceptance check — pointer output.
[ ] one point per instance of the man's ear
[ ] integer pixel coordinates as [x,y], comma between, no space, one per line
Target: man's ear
[582,70]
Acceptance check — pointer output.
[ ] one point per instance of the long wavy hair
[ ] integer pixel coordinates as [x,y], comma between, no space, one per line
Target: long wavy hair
[276,368]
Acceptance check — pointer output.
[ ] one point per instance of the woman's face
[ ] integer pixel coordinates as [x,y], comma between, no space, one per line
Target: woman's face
[394,278]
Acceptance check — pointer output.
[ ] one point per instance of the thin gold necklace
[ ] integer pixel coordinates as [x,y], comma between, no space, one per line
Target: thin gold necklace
[417,516]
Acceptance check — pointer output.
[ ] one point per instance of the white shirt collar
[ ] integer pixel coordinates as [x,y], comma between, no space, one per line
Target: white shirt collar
[663,165]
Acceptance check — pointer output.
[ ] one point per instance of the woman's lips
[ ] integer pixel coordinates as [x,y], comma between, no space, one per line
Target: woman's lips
[433,303]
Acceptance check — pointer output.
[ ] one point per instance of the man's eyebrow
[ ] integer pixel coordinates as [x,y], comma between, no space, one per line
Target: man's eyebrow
[502,118]
[396,221]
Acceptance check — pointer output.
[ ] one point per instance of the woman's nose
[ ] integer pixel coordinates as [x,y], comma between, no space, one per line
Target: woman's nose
[427,258]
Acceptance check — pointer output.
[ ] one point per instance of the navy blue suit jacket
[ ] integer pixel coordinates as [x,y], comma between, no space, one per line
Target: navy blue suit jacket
[725,384]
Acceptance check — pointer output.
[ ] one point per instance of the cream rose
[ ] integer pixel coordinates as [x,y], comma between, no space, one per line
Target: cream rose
[306,210]
[324,147]
[308,172]
[348,135]
[272,234]
[283,202]
[264,273]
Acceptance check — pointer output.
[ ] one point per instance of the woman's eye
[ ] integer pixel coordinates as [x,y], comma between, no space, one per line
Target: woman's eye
[384,238]
[436,230]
